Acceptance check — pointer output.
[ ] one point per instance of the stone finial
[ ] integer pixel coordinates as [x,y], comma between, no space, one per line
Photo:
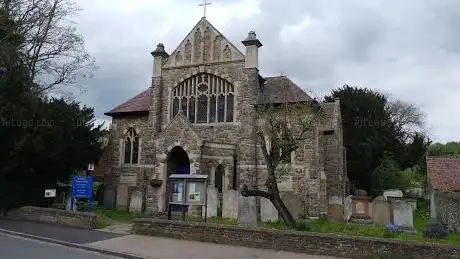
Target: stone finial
[160,51]
[252,40]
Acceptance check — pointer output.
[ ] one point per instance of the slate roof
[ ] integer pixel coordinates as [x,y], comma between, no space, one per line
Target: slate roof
[139,103]
[444,173]
[279,89]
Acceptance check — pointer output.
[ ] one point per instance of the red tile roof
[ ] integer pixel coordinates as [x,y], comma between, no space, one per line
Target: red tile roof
[281,89]
[139,103]
[444,173]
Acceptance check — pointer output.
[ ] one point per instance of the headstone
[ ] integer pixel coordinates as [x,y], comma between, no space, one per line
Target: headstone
[394,193]
[402,215]
[230,206]
[347,208]
[360,192]
[212,201]
[247,213]
[360,210]
[415,192]
[122,197]
[109,197]
[434,229]
[135,204]
[128,179]
[381,213]
[268,212]
[412,203]
[68,204]
[292,203]
[335,208]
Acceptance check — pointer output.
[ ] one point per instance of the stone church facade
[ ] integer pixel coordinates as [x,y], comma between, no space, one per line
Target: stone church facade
[197,118]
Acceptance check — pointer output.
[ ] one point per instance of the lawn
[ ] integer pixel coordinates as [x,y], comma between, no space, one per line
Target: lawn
[421,216]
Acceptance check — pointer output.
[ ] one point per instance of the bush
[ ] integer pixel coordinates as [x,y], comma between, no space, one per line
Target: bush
[303,225]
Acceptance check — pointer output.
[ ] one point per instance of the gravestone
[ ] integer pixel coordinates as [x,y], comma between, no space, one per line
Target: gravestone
[212,201]
[335,208]
[392,193]
[230,206]
[434,229]
[381,213]
[412,203]
[68,203]
[268,212]
[415,192]
[360,210]
[135,203]
[347,208]
[247,213]
[402,215]
[109,197]
[292,203]
[122,197]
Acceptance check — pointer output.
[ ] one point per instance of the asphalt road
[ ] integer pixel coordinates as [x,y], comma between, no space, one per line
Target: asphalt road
[19,248]
[68,234]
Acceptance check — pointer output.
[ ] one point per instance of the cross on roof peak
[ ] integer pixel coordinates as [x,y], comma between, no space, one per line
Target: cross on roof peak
[204,4]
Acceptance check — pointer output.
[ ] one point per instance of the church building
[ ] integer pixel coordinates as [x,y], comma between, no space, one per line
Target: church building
[196,118]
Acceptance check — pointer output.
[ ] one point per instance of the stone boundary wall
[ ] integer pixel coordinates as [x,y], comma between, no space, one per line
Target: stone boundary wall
[294,241]
[55,216]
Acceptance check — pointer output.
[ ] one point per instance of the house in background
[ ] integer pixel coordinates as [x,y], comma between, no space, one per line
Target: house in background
[444,182]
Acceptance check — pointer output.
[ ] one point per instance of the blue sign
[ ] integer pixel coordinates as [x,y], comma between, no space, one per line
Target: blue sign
[82,187]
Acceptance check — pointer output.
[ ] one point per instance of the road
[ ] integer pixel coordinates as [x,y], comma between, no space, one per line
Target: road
[19,248]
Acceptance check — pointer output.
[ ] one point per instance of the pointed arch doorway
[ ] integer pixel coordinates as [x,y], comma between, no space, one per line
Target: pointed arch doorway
[178,162]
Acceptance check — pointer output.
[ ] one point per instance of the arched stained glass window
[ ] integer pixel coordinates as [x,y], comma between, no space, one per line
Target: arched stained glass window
[204,98]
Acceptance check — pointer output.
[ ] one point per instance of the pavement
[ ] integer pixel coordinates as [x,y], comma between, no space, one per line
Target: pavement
[117,241]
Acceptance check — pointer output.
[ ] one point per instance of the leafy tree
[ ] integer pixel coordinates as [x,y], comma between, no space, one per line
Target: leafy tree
[380,135]
[281,130]
[447,149]
[42,140]
[60,139]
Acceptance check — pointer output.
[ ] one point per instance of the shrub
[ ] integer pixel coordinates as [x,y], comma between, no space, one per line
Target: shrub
[303,225]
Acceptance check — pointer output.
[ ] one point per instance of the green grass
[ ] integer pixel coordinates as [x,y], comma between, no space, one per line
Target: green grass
[421,217]
[117,215]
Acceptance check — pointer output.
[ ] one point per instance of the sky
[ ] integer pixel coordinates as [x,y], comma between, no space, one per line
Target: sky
[409,49]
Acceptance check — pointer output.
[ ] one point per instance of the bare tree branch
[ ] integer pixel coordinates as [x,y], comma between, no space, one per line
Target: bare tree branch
[55,52]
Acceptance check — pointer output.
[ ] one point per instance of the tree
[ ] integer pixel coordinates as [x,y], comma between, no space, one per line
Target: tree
[55,52]
[376,130]
[43,141]
[60,138]
[282,129]
[448,149]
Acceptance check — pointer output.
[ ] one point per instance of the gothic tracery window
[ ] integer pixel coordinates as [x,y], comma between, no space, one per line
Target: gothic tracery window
[131,147]
[204,98]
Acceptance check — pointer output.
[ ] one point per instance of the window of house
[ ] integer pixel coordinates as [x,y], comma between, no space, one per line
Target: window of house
[210,99]
[131,147]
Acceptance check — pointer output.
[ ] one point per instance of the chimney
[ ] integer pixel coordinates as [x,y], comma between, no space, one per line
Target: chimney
[252,50]
[159,56]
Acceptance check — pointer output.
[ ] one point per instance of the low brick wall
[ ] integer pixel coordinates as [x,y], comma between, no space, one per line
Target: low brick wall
[295,241]
[55,216]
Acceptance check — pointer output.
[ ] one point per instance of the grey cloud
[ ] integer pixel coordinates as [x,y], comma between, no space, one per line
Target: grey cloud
[409,48]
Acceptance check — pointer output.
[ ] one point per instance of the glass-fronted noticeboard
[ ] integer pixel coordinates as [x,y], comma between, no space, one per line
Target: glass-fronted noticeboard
[188,189]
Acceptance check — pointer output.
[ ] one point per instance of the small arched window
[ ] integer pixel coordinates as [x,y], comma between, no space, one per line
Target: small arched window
[210,99]
[131,147]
